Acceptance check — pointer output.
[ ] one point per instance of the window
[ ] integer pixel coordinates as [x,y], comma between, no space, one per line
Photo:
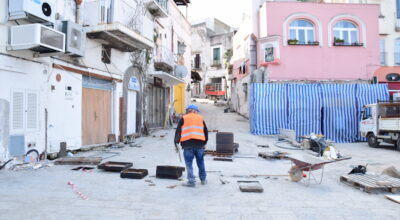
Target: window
[269,54]
[302,32]
[397,51]
[25,110]
[382,51]
[346,33]
[216,56]
[197,61]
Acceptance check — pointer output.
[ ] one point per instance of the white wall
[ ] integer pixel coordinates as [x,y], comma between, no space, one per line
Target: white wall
[64,110]
[25,76]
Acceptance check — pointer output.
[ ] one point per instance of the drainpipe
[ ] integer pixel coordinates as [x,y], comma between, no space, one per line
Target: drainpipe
[78,10]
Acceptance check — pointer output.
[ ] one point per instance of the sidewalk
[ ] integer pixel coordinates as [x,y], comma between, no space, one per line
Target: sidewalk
[44,193]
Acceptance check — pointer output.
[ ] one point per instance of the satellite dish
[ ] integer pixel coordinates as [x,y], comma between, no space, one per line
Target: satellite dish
[181,71]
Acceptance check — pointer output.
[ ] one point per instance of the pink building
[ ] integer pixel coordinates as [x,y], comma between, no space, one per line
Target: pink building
[304,41]
[316,41]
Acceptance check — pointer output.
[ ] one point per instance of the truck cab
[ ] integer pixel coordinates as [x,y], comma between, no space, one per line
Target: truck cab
[380,123]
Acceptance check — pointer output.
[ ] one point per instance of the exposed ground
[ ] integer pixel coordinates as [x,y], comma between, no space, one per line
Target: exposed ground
[44,193]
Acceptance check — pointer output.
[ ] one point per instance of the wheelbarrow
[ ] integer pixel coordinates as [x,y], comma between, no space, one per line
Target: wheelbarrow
[308,163]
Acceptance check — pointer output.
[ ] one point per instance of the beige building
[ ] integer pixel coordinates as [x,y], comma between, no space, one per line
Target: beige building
[211,53]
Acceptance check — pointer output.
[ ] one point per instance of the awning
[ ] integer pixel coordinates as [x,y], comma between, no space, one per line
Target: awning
[167,78]
[118,36]
[195,76]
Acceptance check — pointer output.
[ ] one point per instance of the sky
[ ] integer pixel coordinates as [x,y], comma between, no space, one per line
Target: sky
[228,11]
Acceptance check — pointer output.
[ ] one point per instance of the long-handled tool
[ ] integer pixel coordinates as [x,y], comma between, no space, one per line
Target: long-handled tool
[178,151]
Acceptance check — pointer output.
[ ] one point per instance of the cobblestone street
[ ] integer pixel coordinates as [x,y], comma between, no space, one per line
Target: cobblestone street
[45,194]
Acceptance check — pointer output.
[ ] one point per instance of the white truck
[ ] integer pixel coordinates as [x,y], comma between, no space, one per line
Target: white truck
[381,123]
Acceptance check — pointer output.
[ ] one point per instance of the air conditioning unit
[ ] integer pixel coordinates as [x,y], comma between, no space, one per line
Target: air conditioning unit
[75,39]
[36,37]
[37,11]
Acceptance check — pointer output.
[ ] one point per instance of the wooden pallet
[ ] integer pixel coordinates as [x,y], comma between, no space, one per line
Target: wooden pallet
[370,183]
[214,153]
[271,156]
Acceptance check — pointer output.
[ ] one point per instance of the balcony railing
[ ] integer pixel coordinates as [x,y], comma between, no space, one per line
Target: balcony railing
[216,63]
[383,58]
[397,58]
[163,4]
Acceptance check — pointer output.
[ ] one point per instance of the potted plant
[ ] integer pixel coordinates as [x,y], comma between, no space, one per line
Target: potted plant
[316,42]
[292,41]
[338,41]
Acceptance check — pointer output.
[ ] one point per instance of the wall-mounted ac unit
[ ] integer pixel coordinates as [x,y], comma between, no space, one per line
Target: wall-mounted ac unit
[75,39]
[36,37]
[37,11]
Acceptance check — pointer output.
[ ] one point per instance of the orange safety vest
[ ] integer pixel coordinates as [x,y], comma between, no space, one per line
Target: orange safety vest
[193,127]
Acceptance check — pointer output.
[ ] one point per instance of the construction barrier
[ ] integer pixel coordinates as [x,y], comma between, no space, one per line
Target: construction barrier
[330,109]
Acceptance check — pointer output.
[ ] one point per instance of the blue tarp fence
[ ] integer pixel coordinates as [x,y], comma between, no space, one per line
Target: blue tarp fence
[330,109]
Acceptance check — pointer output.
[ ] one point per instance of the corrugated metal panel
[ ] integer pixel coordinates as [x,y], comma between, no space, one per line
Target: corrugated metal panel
[268,108]
[304,112]
[369,94]
[339,112]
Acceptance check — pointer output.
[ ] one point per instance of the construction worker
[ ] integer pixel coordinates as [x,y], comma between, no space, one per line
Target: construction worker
[192,134]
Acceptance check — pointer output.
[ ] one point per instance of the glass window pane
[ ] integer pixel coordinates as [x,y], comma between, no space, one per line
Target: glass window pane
[302,37]
[346,37]
[337,35]
[344,24]
[294,24]
[310,35]
[354,37]
[301,23]
[397,46]
[292,34]
[382,45]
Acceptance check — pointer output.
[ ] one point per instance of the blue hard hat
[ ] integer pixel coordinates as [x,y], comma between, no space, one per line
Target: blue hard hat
[193,107]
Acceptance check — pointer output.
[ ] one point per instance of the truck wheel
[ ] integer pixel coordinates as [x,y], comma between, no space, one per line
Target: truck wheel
[397,145]
[372,141]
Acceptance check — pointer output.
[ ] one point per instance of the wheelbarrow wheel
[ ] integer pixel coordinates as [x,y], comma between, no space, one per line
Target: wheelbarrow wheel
[295,174]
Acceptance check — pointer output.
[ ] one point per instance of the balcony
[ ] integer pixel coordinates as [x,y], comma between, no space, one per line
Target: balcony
[164,59]
[397,59]
[383,58]
[119,37]
[216,63]
[158,8]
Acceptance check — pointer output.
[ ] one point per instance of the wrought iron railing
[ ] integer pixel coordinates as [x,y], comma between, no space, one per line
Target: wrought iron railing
[163,4]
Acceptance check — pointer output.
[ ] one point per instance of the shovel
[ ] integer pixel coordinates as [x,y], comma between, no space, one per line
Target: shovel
[178,151]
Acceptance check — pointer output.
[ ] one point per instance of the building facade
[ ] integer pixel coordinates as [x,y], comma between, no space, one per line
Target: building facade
[80,72]
[305,42]
[389,42]
[211,53]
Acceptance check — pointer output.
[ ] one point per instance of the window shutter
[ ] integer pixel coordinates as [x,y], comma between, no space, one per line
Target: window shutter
[17,110]
[32,111]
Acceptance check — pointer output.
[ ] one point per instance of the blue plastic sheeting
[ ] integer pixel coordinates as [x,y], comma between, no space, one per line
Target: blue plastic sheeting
[369,94]
[268,108]
[331,109]
[340,112]
[304,110]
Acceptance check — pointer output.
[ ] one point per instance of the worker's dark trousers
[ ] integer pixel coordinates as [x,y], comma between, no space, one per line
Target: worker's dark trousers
[189,154]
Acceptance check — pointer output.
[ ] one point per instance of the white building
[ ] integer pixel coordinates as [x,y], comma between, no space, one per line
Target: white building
[211,53]
[75,81]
